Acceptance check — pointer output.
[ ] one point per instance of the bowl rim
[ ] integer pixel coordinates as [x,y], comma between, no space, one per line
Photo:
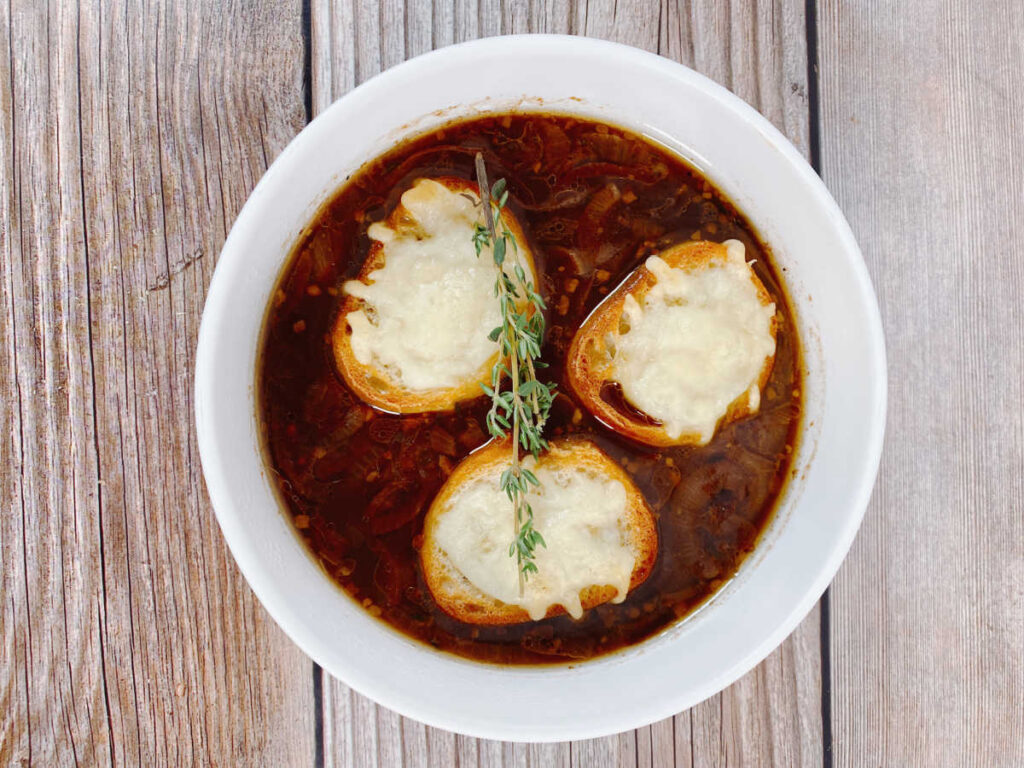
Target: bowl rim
[863,468]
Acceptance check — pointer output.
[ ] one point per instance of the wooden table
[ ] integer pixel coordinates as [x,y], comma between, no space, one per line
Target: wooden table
[130,134]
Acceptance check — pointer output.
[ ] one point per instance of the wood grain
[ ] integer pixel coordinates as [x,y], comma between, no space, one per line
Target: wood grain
[132,134]
[759,51]
[921,144]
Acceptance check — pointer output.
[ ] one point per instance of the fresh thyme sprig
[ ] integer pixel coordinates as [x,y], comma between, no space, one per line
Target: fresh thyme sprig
[524,407]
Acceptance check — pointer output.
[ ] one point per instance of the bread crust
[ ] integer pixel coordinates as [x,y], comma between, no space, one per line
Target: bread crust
[461,600]
[589,362]
[373,385]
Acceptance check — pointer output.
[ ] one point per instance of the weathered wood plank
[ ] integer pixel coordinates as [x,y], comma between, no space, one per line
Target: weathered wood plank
[922,146]
[131,136]
[759,51]
[54,696]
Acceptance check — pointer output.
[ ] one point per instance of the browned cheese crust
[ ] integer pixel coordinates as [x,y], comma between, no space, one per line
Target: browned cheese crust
[589,364]
[459,598]
[373,385]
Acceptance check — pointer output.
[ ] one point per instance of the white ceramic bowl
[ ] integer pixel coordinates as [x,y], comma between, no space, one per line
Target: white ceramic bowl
[845,389]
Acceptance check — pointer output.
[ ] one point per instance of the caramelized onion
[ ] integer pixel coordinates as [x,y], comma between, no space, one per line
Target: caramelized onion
[696,490]
[664,480]
[616,149]
[556,230]
[383,429]
[644,228]
[557,146]
[644,174]
[588,234]
[391,576]
[571,196]
[766,435]
[394,506]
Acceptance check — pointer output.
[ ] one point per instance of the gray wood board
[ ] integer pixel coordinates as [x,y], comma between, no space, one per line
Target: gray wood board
[131,136]
[922,146]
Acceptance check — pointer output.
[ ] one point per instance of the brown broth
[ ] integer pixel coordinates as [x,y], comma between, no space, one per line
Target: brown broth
[595,201]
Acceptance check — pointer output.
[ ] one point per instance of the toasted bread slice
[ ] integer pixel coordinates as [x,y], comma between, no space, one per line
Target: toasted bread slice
[682,346]
[411,334]
[599,532]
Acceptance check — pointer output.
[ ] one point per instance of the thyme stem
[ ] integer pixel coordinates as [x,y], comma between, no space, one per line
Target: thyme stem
[517,508]
[524,408]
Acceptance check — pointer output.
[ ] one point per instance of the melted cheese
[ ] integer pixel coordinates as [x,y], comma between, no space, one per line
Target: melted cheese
[696,342]
[427,312]
[579,512]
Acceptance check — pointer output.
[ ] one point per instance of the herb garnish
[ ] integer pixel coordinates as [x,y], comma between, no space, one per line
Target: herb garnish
[524,407]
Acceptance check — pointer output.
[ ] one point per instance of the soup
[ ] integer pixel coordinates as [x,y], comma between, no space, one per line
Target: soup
[594,201]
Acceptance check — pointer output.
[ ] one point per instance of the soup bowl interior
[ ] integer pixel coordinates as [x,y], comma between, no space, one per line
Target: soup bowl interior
[844,400]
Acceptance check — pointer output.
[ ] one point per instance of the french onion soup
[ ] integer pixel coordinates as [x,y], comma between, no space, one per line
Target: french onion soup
[595,302]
